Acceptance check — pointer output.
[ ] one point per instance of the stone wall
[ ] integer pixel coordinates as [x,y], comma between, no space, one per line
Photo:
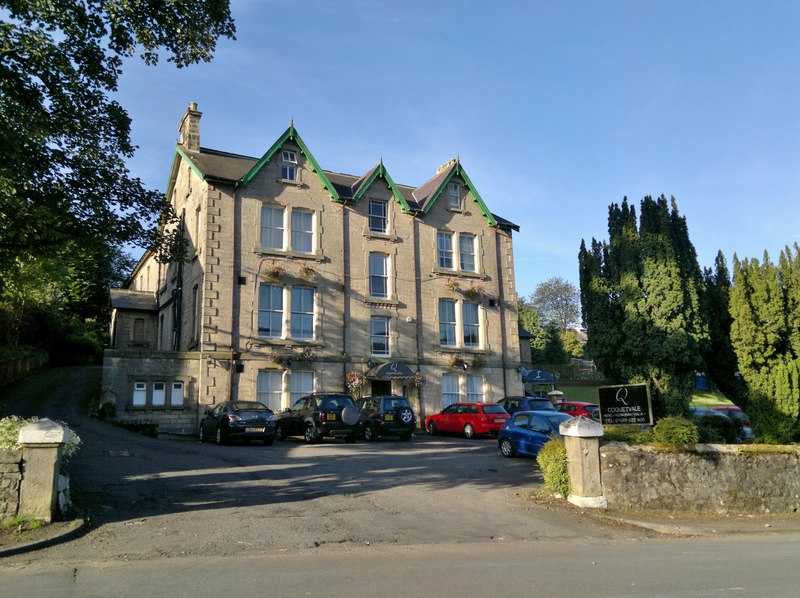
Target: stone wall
[709,479]
[16,369]
[10,478]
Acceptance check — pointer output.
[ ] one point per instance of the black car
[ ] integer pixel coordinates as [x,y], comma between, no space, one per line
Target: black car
[514,404]
[238,420]
[386,416]
[318,416]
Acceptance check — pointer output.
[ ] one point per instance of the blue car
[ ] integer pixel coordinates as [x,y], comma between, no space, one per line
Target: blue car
[525,432]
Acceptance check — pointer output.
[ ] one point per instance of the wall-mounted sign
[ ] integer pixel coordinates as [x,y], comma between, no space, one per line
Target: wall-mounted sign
[626,404]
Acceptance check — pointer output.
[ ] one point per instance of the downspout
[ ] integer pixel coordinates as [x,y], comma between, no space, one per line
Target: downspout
[418,298]
[346,291]
[501,300]
[235,292]
[177,292]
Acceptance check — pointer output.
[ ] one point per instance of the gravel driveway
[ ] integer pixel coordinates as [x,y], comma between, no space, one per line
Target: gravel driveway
[152,498]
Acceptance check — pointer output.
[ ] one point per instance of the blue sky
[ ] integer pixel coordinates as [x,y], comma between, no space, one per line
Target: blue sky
[556,108]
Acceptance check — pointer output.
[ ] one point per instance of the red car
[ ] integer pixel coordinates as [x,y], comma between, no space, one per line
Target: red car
[468,419]
[574,408]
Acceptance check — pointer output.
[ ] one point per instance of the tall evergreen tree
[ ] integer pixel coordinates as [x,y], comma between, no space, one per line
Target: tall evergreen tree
[640,296]
[765,337]
[720,359]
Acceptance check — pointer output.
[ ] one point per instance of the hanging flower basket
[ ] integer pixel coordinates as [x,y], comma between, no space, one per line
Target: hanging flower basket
[478,362]
[308,355]
[473,292]
[307,272]
[354,380]
[419,380]
[276,358]
[452,285]
[275,273]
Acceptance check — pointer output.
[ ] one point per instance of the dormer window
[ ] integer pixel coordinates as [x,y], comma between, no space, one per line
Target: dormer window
[453,196]
[288,165]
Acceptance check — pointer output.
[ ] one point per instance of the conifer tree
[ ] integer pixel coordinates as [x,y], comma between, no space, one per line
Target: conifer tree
[640,295]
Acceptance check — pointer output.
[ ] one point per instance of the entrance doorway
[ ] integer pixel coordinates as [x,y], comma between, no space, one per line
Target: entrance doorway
[381,387]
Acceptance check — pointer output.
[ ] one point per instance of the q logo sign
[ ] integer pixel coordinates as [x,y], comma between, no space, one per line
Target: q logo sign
[622,396]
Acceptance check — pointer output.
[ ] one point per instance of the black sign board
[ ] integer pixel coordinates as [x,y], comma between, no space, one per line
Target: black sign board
[627,404]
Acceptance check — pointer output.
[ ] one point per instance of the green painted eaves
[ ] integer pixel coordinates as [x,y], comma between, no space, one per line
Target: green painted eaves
[457,170]
[291,134]
[382,173]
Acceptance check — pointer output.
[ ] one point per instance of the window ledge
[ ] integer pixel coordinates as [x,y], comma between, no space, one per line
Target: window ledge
[390,237]
[317,256]
[294,182]
[458,273]
[376,301]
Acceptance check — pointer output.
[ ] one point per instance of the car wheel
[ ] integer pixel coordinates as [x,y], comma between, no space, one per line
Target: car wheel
[279,435]
[432,430]
[269,440]
[506,448]
[369,433]
[469,431]
[405,436]
[406,415]
[310,435]
[219,438]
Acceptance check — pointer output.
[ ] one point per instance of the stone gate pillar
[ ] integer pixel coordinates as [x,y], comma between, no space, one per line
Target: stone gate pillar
[41,444]
[582,440]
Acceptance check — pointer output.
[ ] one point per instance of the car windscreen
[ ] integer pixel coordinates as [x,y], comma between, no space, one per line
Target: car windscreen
[557,418]
[493,409]
[249,406]
[339,402]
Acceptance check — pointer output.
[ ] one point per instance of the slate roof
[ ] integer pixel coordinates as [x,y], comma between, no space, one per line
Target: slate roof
[135,300]
[231,168]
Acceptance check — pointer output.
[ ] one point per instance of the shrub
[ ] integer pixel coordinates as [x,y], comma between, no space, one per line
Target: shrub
[714,429]
[632,434]
[553,463]
[9,434]
[676,430]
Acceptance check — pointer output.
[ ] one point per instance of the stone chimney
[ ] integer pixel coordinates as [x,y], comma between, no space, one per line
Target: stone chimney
[189,129]
[445,166]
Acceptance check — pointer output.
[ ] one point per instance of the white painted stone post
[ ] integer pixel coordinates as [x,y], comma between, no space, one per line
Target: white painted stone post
[41,443]
[582,440]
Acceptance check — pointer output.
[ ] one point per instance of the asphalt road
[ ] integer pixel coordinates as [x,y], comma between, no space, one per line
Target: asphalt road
[430,517]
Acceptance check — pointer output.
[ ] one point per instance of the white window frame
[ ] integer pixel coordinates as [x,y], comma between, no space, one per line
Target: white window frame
[467,259]
[159,398]
[378,275]
[288,165]
[373,217]
[382,336]
[270,231]
[177,394]
[448,328]
[451,389]
[270,311]
[139,396]
[444,250]
[475,385]
[299,386]
[269,388]
[302,231]
[302,314]
[453,196]
[471,327]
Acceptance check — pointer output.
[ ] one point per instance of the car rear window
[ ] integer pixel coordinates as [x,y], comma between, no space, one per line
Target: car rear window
[395,403]
[493,409]
[339,402]
[249,406]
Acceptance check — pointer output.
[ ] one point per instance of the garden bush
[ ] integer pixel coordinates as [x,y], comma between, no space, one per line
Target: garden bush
[713,429]
[676,430]
[9,434]
[553,463]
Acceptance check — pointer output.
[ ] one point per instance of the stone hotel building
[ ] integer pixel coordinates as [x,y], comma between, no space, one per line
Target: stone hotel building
[298,279]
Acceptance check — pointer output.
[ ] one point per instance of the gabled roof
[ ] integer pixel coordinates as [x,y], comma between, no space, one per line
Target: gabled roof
[364,183]
[228,168]
[291,134]
[429,192]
